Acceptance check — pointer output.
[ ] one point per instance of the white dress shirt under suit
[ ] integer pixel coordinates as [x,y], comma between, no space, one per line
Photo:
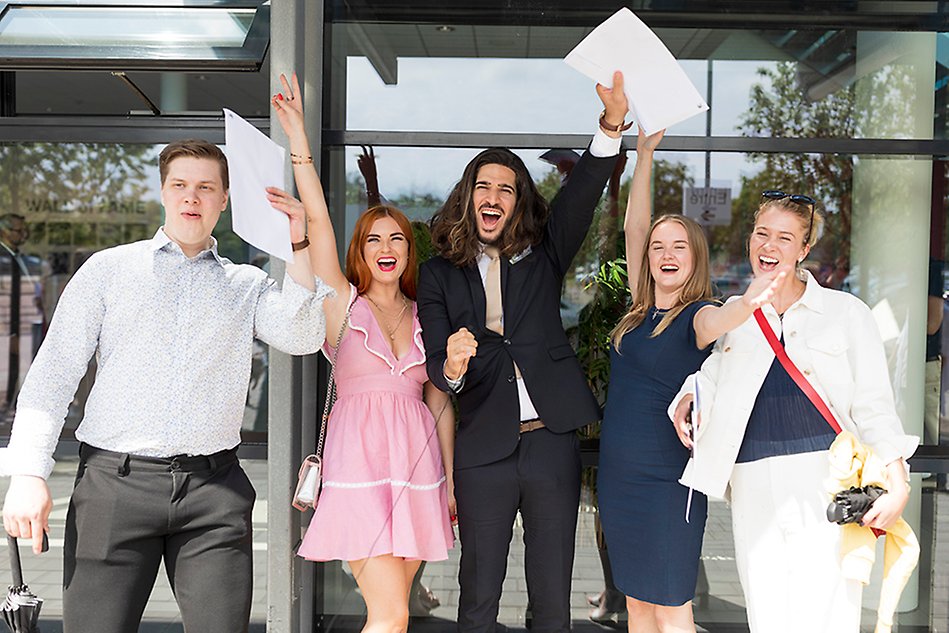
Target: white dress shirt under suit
[173,341]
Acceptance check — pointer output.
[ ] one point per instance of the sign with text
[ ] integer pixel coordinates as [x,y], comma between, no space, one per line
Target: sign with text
[708,205]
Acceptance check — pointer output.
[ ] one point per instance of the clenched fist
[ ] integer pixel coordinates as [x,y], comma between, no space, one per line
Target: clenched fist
[461,346]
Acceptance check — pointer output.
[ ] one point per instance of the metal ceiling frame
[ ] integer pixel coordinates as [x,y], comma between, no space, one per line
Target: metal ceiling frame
[247,57]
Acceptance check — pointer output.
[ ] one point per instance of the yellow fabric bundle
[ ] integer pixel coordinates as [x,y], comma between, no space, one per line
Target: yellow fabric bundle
[852,464]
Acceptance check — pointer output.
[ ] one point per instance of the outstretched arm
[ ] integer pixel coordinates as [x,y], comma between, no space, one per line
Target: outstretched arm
[713,321]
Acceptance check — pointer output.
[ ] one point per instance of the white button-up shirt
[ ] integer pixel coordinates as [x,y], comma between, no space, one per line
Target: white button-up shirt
[832,338]
[173,340]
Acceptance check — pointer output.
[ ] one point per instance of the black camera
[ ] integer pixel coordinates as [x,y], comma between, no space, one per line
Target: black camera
[849,506]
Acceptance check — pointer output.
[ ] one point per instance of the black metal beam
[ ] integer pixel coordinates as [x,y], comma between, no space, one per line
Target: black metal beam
[727,14]
[741,144]
[117,129]
[7,94]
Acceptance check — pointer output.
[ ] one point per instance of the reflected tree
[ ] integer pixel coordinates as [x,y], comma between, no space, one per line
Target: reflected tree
[877,105]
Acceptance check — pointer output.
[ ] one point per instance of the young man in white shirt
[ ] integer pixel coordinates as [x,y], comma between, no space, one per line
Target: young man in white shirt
[172,325]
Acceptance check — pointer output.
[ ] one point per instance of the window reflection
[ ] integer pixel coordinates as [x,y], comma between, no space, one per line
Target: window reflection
[874,207]
[63,202]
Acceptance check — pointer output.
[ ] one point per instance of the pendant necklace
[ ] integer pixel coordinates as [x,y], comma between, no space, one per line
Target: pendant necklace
[392,330]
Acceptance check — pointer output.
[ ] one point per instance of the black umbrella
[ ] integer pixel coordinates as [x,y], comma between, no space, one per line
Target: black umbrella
[21,608]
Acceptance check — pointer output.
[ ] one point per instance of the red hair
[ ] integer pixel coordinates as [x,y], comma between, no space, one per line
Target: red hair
[357,270]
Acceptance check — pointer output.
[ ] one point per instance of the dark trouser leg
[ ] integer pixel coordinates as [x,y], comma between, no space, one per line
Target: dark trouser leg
[208,555]
[487,505]
[113,548]
[549,471]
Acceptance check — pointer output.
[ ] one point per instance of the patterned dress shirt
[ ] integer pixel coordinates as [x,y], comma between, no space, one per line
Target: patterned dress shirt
[173,338]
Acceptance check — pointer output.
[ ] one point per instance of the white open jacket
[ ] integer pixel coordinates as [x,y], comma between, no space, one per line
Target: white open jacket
[832,338]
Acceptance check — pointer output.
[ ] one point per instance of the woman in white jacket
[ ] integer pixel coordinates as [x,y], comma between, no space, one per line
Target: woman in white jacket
[761,441]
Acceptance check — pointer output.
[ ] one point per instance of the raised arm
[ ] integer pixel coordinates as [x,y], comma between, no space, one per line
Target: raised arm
[639,207]
[571,211]
[322,252]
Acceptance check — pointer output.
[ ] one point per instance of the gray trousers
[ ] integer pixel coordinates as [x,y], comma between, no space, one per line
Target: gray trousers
[128,513]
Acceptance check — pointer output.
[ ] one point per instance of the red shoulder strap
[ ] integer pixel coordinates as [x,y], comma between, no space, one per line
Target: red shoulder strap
[794,372]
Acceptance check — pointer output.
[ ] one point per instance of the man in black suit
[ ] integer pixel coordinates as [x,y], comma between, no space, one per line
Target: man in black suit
[490,311]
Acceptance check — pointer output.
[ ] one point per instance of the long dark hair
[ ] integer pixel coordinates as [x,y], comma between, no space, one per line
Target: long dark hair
[454,225]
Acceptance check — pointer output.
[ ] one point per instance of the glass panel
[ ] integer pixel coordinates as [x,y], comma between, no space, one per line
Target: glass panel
[119,27]
[874,208]
[463,69]
[44,574]
[487,77]
[63,202]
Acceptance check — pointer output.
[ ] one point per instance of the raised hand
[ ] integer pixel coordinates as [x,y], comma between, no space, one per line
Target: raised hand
[762,289]
[288,105]
[367,167]
[648,142]
[614,100]
[284,202]
[461,347]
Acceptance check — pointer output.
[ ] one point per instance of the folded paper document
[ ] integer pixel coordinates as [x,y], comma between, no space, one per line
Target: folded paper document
[658,90]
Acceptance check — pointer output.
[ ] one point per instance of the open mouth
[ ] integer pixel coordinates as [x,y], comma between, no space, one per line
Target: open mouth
[490,217]
[767,263]
[386,264]
[669,268]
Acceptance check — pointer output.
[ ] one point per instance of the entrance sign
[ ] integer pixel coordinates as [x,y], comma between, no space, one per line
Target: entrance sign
[708,205]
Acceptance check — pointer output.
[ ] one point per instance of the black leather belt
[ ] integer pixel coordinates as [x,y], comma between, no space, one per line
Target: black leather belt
[125,462]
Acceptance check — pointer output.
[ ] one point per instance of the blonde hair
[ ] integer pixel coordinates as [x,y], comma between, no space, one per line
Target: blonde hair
[803,213]
[698,287]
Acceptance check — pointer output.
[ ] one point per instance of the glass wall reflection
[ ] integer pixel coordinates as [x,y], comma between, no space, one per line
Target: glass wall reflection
[60,203]
[884,241]
[873,246]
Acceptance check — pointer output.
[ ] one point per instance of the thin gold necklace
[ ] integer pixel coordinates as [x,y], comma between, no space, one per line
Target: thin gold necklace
[392,330]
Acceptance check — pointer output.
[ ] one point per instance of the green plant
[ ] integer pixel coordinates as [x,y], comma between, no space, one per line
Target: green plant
[591,336]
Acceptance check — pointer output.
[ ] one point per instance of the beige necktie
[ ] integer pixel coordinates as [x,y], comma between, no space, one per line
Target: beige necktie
[494,313]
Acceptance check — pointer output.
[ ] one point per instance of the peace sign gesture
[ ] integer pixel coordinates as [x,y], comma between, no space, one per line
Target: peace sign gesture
[288,106]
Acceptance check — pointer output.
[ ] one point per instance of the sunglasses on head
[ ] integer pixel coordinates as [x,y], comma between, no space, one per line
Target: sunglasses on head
[797,198]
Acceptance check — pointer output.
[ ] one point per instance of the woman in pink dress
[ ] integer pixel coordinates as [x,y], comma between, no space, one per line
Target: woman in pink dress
[387,487]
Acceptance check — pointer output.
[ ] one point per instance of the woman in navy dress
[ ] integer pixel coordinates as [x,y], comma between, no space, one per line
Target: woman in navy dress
[665,336]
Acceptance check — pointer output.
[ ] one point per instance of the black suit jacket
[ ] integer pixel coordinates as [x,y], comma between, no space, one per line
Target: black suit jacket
[450,297]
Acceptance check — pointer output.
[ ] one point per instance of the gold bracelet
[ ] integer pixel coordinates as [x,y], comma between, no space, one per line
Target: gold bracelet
[299,159]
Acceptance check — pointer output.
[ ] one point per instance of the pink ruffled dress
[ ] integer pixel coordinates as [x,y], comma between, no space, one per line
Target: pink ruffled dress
[384,489]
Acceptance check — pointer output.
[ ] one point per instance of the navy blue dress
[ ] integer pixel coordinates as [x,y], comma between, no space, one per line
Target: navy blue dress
[654,553]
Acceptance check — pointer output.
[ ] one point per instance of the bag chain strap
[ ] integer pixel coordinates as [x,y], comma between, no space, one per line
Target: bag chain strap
[331,386]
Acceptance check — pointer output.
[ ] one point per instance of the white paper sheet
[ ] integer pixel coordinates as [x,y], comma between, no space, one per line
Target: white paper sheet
[255,162]
[658,90]
[696,414]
